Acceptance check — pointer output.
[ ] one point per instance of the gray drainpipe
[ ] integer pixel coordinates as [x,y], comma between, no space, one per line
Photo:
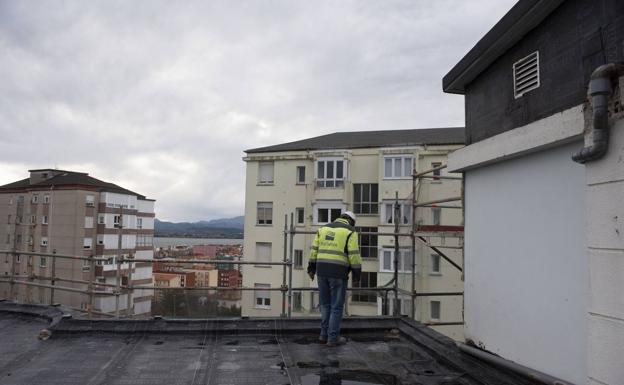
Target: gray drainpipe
[600,89]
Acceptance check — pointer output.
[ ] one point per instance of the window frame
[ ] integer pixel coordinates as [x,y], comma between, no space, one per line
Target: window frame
[432,259]
[326,205]
[436,216]
[300,172]
[393,159]
[405,205]
[431,310]
[402,260]
[368,243]
[259,289]
[44,241]
[436,173]
[46,199]
[299,216]
[260,176]
[266,207]
[373,198]
[44,220]
[257,253]
[334,181]
[366,278]
[298,259]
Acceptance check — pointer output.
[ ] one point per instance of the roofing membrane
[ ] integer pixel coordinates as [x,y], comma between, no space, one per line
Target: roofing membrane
[380,350]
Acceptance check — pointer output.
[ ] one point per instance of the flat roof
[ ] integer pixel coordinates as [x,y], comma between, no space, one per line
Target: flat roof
[380,350]
[372,139]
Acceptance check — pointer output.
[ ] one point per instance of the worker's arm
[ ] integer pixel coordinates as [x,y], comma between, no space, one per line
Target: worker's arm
[355,259]
[312,259]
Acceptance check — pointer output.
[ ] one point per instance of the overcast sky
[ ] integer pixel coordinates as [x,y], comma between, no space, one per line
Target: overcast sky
[163,97]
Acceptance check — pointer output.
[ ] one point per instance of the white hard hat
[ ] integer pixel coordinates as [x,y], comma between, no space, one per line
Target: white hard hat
[350,215]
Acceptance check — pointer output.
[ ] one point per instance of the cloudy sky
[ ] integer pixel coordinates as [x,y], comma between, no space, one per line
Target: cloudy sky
[163,97]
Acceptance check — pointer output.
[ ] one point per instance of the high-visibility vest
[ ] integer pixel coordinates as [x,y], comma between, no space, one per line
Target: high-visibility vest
[335,250]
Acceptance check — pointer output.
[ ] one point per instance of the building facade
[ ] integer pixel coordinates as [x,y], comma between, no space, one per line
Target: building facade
[71,213]
[544,250]
[314,180]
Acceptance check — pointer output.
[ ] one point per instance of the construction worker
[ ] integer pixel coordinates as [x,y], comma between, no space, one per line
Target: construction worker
[334,253]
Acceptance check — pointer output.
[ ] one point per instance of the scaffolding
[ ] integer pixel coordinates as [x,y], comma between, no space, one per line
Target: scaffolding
[418,234]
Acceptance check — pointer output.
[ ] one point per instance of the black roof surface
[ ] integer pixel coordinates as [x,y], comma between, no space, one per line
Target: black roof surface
[368,139]
[69,178]
[522,18]
[380,350]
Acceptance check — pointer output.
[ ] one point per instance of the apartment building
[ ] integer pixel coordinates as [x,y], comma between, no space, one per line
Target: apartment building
[315,180]
[72,213]
[544,183]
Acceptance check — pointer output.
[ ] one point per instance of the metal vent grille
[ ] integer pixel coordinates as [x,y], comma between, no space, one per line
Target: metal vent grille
[526,74]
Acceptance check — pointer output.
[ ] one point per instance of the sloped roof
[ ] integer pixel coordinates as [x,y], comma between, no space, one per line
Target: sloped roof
[370,139]
[67,178]
[521,18]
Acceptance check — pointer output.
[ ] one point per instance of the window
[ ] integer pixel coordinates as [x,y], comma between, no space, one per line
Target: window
[436,212]
[9,219]
[368,242]
[405,306]
[262,296]
[298,259]
[263,251]
[265,213]
[46,199]
[300,215]
[365,198]
[18,239]
[330,173]
[35,198]
[398,166]
[33,219]
[368,279]
[297,301]
[436,173]
[101,219]
[139,223]
[44,220]
[526,75]
[326,215]
[44,241]
[90,200]
[43,262]
[301,174]
[435,310]
[86,265]
[435,264]
[143,240]
[88,222]
[265,172]
[405,212]
[18,258]
[405,260]
[100,240]
[116,220]
[87,243]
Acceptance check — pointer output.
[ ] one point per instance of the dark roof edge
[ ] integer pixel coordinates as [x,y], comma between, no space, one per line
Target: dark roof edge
[306,144]
[521,18]
[57,170]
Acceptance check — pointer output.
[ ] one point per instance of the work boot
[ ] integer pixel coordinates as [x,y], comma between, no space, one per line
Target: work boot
[338,342]
[322,339]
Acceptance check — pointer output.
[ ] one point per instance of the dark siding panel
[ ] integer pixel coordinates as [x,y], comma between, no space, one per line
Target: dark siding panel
[576,38]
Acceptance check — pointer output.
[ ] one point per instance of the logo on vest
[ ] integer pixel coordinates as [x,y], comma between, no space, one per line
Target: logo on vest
[330,236]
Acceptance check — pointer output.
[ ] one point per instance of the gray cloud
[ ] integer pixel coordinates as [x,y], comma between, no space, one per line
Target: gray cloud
[163,97]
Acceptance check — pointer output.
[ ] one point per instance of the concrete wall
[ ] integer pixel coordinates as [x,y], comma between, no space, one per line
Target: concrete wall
[605,241]
[526,278]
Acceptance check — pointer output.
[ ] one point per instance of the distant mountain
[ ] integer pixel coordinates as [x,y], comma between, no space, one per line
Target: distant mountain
[235,223]
[216,228]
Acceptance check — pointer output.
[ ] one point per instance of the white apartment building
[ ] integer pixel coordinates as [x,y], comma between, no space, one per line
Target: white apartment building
[71,213]
[315,180]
